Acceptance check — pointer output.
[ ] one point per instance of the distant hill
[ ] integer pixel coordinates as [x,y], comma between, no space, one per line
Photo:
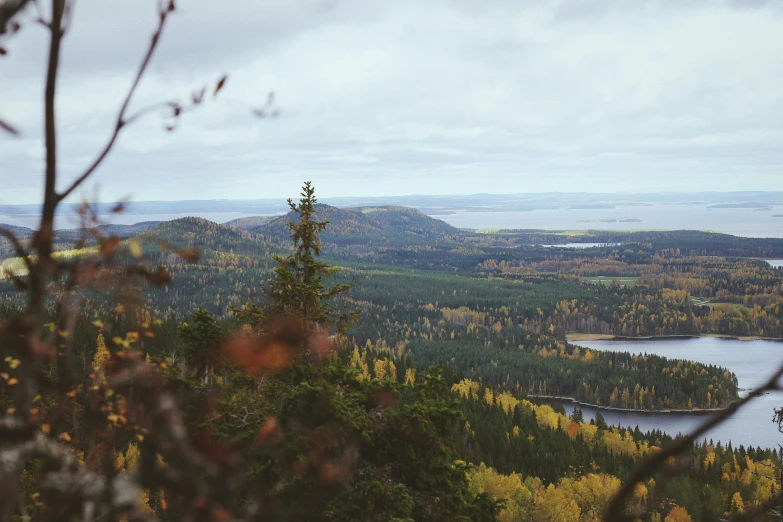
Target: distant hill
[368,224]
[250,222]
[205,235]
[112,230]
[6,248]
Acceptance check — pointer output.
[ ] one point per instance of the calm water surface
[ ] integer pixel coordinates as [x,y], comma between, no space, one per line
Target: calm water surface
[744,222]
[752,361]
[581,245]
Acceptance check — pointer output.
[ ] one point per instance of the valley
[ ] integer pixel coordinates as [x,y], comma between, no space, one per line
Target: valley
[511,318]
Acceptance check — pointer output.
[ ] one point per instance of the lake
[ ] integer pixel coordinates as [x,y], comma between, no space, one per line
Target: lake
[746,222]
[581,245]
[753,362]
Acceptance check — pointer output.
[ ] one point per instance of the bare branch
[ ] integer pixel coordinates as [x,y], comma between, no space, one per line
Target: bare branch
[8,10]
[9,128]
[616,507]
[152,108]
[121,121]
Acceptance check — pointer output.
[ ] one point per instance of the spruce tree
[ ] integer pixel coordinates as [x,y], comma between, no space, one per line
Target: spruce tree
[298,288]
[201,339]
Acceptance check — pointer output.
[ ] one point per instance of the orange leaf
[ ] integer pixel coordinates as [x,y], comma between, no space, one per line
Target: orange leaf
[189,255]
[267,430]
[254,356]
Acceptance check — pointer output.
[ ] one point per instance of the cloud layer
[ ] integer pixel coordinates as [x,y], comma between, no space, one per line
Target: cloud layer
[411,97]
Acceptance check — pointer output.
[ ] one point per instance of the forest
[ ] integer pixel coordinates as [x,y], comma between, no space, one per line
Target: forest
[369,363]
[448,338]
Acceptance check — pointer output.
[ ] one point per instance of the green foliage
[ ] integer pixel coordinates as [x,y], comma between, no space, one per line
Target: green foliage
[201,338]
[298,285]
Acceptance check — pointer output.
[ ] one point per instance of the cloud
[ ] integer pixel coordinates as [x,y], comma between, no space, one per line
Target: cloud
[410,97]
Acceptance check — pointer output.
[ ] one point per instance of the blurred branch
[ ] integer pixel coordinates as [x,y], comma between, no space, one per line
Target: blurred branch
[18,248]
[65,476]
[8,10]
[165,11]
[8,128]
[614,512]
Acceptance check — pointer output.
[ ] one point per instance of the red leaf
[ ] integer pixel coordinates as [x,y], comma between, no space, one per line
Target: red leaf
[221,82]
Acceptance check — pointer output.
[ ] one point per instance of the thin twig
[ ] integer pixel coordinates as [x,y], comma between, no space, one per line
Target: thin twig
[9,128]
[151,108]
[121,121]
[614,513]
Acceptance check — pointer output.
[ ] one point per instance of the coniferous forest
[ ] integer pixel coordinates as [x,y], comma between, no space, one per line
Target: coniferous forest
[403,374]
[369,363]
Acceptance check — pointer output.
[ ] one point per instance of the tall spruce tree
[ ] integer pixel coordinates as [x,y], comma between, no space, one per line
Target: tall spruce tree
[299,288]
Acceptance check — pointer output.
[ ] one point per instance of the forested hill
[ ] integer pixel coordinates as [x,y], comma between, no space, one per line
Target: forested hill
[207,236]
[374,224]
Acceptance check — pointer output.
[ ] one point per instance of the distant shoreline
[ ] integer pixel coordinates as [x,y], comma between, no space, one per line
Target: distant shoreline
[692,411]
[576,337]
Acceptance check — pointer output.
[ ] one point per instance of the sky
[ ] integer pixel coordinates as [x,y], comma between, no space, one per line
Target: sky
[408,97]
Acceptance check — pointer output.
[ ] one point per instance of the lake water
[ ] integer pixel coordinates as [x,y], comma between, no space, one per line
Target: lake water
[744,222]
[775,263]
[753,362]
[581,245]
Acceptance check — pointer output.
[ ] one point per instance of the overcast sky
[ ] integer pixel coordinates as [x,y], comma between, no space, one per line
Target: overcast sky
[412,97]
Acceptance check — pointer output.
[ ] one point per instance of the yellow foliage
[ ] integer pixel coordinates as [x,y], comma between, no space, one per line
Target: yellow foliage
[640,493]
[380,368]
[99,360]
[592,493]
[737,505]
[588,431]
[410,376]
[554,505]
[359,362]
[520,494]
[489,397]
[678,514]
[466,389]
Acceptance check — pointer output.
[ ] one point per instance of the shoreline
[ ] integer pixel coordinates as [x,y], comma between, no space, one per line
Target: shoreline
[694,411]
[576,337]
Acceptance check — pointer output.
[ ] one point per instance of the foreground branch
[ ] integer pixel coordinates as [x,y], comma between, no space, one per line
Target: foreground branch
[614,512]
[121,120]
[18,248]
[8,128]
[8,10]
